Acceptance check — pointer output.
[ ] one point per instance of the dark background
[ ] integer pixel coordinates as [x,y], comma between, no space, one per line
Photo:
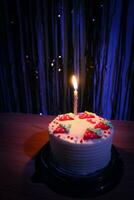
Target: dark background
[42,43]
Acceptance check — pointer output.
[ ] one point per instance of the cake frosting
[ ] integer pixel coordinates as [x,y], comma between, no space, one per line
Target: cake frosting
[81,144]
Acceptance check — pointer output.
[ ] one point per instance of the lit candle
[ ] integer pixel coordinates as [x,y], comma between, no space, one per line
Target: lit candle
[75,94]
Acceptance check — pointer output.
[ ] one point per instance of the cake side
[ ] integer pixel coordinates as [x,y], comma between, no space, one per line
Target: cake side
[81,144]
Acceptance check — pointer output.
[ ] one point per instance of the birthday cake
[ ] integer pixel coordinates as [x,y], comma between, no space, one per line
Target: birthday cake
[80,144]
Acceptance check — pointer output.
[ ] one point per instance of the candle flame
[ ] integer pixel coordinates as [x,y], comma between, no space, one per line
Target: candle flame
[75,83]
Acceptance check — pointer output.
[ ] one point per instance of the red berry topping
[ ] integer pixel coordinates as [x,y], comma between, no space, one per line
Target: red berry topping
[86,115]
[60,129]
[90,135]
[65,117]
[102,126]
[71,138]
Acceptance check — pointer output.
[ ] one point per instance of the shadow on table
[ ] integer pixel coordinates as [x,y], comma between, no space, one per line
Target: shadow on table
[41,190]
[31,190]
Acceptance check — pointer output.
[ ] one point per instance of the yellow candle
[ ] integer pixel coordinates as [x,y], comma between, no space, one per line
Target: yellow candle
[75,94]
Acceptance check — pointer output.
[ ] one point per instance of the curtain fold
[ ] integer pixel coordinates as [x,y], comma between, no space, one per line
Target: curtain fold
[43,43]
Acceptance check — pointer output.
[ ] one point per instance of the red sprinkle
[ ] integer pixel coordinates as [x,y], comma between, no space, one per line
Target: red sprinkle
[105,131]
[105,135]
[81,140]
[68,136]
[58,135]
[71,138]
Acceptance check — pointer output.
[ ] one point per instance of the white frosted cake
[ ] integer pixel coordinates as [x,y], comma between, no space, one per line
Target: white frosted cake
[81,144]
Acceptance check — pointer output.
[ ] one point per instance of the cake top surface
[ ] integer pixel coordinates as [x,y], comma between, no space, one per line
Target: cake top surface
[85,127]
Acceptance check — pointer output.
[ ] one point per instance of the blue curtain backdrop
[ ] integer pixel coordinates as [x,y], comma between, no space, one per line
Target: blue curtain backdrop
[42,43]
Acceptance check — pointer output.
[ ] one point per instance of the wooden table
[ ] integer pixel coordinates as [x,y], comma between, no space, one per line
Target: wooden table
[21,137]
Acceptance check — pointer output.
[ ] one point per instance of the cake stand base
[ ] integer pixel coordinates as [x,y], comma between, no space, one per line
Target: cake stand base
[90,185]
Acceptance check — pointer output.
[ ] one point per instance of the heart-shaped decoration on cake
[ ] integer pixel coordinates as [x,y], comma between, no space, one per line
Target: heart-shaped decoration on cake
[86,115]
[102,126]
[61,128]
[90,135]
[65,117]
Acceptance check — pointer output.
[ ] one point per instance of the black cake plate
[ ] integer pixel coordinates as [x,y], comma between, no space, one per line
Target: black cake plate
[91,185]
